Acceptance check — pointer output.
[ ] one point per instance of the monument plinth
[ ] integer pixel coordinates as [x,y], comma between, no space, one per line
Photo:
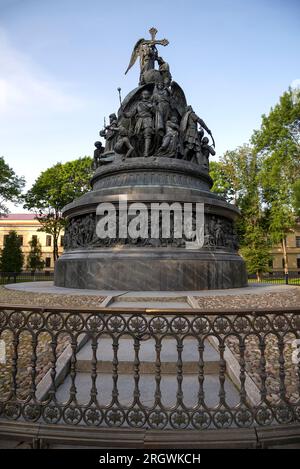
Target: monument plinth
[156,153]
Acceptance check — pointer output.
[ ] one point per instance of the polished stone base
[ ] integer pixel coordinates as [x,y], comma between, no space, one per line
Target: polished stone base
[148,269]
[89,263]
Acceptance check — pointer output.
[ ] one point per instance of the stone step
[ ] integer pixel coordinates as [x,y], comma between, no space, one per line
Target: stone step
[147,356]
[147,384]
[153,301]
[149,303]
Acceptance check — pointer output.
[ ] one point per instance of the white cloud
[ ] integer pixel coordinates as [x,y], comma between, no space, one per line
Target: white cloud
[295,85]
[24,89]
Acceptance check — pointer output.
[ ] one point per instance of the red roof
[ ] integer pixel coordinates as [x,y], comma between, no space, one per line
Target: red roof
[19,216]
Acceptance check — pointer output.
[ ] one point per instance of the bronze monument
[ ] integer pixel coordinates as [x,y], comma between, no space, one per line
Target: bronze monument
[156,151]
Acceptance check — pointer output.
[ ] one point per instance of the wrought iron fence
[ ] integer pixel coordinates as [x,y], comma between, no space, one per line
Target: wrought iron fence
[56,368]
[292,278]
[16,277]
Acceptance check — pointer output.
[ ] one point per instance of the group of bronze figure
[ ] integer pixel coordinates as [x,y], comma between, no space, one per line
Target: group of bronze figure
[154,119]
[81,233]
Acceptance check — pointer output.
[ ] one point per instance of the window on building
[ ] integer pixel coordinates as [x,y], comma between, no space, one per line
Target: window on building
[19,236]
[48,262]
[48,240]
[34,238]
[298,263]
[283,263]
[297,241]
[62,241]
[271,263]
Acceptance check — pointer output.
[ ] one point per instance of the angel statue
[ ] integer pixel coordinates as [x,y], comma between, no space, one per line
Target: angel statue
[146,50]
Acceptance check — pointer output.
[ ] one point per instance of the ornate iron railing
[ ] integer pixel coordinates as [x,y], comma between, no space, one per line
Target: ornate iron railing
[16,277]
[277,277]
[255,377]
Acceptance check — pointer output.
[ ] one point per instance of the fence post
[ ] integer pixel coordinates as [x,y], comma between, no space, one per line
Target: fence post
[286,278]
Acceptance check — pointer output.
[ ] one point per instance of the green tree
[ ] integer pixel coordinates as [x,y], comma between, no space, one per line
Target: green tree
[34,259]
[236,177]
[256,252]
[55,188]
[221,182]
[254,237]
[12,258]
[277,143]
[10,186]
[233,174]
[296,197]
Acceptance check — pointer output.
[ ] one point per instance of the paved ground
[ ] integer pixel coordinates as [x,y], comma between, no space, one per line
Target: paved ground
[253,296]
[41,298]
[48,287]
[147,389]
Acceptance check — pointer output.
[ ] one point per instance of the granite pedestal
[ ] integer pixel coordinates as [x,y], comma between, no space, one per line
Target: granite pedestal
[132,264]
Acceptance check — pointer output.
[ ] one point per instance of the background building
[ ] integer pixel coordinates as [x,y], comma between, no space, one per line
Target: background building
[26,227]
[293,252]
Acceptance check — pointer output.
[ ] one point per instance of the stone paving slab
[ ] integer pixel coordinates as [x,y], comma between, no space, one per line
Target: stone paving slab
[48,287]
[253,296]
[147,351]
[147,356]
[150,304]
[147,386]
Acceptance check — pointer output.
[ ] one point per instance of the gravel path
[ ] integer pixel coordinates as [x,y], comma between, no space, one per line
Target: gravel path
[284,299]
[15,297]
[24,379]
[252,360]
[289,298]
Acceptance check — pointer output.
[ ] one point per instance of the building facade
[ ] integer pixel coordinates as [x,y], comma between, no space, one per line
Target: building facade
[293,252]
[27,227]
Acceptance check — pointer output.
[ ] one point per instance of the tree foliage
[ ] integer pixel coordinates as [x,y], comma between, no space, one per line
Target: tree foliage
[34,259]
[55,188]
[10,186]
[296,197]
[277,144]
[221,183]
[238,182]
[12,258]
[263,180]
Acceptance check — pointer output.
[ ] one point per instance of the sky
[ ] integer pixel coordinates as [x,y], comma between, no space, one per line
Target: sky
[61,62]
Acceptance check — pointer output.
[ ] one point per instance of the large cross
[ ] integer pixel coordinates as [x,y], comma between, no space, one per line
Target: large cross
[153,40]
[138,48]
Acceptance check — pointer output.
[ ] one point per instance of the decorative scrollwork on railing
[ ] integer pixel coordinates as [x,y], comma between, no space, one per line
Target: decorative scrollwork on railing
[246,336]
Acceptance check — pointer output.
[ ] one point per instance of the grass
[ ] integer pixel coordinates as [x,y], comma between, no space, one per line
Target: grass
[277,281]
